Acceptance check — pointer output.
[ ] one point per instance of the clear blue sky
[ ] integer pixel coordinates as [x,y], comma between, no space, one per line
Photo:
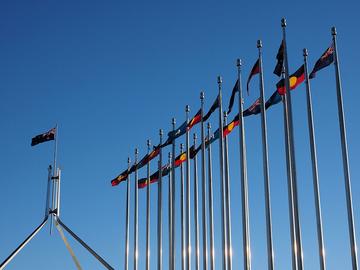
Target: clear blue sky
[111,73]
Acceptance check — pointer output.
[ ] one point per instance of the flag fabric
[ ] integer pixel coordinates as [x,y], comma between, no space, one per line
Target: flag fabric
[154,177]
[232,98]
[255,70]
[273,100]
[229,127]
[213,107]
[326,59]
[280,59]
[196,119]
[148,157]
[294,79]
[253,109]
[172,135]
[180,159]
[44,137]
[120,178]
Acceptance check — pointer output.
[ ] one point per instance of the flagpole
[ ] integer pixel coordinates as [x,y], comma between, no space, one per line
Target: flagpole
[227,199]
[173,200]
[182,200]
[170,209]
[294,249]
[58,192]
[127,228]
[136,215]
[211,213]
[203,186]
[147,263]
[314,166]
[54,175]
[159,225]
[243,166]
[292,150]
[222,180]
[187,209]
[196,210]
[266,165]
[345,157]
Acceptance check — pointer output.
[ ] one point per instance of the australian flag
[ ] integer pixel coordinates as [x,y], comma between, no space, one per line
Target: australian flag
[326,59]
[44,137]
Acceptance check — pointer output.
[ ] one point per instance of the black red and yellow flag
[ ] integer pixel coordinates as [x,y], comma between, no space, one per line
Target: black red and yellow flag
[232,98]
[213,107]
[120,178]
[229,127]
[255,70]
[295,79]
[196,119]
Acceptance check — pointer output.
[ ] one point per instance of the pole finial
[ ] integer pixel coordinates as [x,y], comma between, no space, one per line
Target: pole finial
[238,62]
[136,151]
[161,132]
[259,44]
[333,31]
[173,121]
[305,52]
[202,95]
[148,142]
[283,22]
[187,108]
[219,79]
[208,125]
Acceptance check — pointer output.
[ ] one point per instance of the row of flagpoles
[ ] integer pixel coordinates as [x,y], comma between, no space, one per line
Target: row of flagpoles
[287,82]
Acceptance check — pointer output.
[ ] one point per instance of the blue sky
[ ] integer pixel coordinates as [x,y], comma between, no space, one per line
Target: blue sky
[111,73]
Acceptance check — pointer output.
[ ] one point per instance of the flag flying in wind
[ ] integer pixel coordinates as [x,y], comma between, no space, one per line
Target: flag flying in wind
[44,137]
[280,59]
[255,70]
[326,59]
[295,79]
[120,178]
[154,177]
[232,98]
[273,100]
[172,135]
[180,159]
[196,119]
[148,157]
[253,109]
[229,127]
[213,107]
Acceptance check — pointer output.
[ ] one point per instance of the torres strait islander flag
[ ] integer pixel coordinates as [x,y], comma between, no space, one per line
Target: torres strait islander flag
[294,79]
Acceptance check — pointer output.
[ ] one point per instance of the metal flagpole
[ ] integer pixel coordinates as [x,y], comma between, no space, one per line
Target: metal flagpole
[266,164]
[314,166]
[243,166]
[203,185]
[227,200]
[127,232]
[170,209]
[136,215]
[292,151]
[222,179]
[182,201]
[159,225]
[196,211]
[187,208]
[54,175]
[58,192]
[173,192]
[147,263]
[351,223]
[211,213]
[294,250]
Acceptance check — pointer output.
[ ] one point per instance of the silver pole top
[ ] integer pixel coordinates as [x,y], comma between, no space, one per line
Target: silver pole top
[202,95]
[187,108]
[208,125]
[283,22]
[238,63]
[225,114]
[173,121]
[148,142]
[219,79]
[305,52]
[136,151]
[161,132]
[259,44]
[129,160]
[333,31]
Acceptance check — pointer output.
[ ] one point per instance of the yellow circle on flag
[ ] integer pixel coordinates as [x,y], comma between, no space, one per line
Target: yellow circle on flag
[231,126]
[293,81]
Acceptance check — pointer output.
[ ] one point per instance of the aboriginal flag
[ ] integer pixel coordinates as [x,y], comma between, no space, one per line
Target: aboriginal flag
[229,127]
[196,119]
[44,137]
[326,59]
[232,98]
[280,59]
[295,79]
[213,107]
[180,159]
[148,157]
[120,178]
[255,70]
